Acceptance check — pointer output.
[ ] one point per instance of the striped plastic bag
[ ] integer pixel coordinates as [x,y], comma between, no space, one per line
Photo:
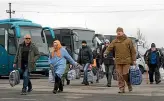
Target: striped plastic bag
[135,75]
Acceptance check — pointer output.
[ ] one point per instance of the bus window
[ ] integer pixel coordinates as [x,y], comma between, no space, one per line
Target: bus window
[2,37]
[12,45]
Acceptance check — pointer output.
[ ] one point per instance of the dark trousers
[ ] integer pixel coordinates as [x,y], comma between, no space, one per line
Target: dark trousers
[153,68]
[26,78]
[58,83]
[98,69]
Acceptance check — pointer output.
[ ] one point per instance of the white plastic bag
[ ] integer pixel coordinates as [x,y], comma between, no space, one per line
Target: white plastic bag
[51,78]
[14,78]
[161,70]
[71,75]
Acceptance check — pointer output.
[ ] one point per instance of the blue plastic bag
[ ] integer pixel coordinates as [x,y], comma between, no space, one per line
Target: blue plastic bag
[135,75]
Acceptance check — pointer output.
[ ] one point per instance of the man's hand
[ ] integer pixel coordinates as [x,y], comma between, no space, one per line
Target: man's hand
[105,55]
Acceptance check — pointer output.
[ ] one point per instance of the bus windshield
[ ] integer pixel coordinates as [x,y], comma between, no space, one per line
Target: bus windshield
[35,33]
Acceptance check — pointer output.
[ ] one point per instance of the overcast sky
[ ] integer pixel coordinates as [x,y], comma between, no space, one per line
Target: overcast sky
[104,16]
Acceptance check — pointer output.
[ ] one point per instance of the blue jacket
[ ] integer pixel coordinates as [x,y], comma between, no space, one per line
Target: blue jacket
[59,63]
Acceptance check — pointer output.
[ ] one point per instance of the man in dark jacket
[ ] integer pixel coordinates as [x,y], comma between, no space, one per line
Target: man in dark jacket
[153,58]
[109,63]
[85,58]
[67,66]
[25,58]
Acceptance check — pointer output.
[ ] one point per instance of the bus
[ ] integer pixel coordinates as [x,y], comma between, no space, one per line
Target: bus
[140,59]
[12,32]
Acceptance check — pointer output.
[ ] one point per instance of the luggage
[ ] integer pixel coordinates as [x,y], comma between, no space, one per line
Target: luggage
[161,70]
[14,78]
[51,78]
[71,75]
[135,75]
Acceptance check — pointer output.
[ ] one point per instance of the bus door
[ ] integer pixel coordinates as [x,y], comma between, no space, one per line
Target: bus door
[4,70]
[67,40]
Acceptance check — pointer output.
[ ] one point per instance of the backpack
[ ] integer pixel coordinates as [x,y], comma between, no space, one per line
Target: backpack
[14,78]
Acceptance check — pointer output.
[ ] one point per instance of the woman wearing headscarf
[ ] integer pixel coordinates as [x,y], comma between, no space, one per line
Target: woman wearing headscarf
[57,61]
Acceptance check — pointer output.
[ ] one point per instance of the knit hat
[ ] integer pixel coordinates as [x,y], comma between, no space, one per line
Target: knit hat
[106,41]
[84,42]
[119,29]
[153,45]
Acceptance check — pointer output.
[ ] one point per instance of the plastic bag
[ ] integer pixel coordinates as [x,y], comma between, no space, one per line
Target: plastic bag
[135,75]
[71,75]
[51,77]
[161,70]
[14,78]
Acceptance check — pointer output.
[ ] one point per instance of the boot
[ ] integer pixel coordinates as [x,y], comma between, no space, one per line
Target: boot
[121,91]
[55,88]
[60,87]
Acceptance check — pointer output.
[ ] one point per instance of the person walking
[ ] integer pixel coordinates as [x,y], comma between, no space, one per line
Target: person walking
[25,58]
[57,61]
[85,58]
[97,57]
[153,58]
[108,62]
[125,55]
[67,65]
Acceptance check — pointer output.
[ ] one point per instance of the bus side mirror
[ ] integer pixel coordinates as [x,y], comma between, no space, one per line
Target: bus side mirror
[76,37]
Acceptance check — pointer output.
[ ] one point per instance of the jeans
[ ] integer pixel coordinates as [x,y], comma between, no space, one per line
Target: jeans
[86,66]
[26,79]
[109,71]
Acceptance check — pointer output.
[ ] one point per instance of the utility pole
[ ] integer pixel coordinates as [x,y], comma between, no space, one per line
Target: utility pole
[9,11]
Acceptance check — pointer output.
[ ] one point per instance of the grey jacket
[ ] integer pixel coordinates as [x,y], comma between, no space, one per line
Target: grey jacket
[32,57]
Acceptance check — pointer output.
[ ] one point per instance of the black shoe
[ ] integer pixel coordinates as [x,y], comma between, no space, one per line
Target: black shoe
[151,82]
[82,82]
[60,91]
[54,91]
[108,85]
[97,81]
[158,82]
[86,83]
[68,82]
[23,92]
[29,90]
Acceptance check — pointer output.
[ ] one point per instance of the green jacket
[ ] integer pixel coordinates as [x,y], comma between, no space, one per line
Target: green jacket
[32,56]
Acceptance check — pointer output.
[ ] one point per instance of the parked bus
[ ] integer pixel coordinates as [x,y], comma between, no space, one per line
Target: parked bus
[12,32]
